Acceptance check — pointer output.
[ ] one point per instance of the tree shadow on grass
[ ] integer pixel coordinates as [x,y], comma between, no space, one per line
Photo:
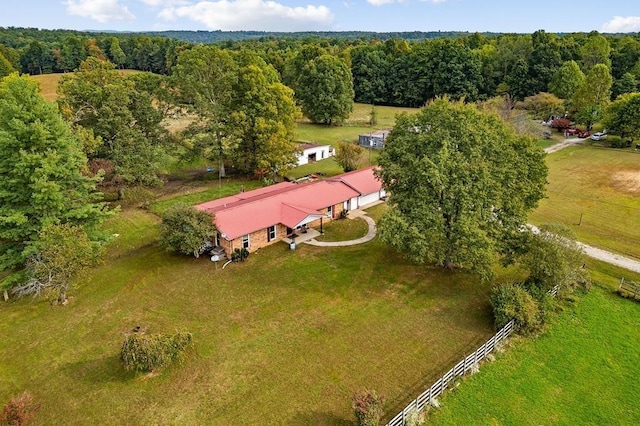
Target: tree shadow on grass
[104,369]
[319,419]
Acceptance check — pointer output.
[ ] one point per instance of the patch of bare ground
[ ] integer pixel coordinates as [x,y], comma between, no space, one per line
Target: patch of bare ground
[627,181]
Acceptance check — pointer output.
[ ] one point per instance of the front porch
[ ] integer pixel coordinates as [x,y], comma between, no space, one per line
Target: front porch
[301,236]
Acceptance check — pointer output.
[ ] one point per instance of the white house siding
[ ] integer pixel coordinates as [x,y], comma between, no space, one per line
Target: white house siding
[321,152]
[365,199]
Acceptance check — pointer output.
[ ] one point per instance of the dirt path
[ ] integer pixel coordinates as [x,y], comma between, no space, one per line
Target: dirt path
[564,144]
[612,258]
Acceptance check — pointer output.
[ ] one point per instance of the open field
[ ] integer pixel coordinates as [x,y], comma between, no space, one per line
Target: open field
[583,370]
[285,338]
[602,185]
[49,83]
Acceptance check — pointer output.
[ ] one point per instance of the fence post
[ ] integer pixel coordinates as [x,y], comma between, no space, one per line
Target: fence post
[621,282]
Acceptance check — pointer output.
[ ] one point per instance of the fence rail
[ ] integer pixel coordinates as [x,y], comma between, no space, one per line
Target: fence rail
[629,288]
[460,369]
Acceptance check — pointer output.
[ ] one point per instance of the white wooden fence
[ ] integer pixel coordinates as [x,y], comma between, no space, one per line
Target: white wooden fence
[459,370]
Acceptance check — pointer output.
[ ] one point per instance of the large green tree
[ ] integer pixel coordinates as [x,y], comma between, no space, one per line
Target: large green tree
[41,172]
[263,117]
[593,96]
[461,184]
[595,51]
[623,115]
[99,98]
[204,78]
[566,80]
[325,90]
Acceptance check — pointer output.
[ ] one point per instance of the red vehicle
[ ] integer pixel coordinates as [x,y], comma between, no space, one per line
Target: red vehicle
[572,131]
[583,134]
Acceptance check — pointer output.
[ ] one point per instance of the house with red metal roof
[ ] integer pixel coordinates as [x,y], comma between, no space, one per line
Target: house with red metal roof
[258,218]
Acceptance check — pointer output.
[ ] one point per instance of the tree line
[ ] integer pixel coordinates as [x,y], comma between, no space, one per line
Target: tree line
[389,69]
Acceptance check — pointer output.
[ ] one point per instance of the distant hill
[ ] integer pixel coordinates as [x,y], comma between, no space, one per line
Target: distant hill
[218,36]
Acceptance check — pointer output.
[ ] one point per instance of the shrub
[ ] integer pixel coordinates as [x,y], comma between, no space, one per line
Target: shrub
[616,141]
[240,255]
[343,214]
[560,124]
[367,407]
[513,301]
[185,230]
[148,352]
[19,411]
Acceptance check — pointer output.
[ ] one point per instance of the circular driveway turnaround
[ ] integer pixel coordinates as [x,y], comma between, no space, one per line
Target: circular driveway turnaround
[371,233]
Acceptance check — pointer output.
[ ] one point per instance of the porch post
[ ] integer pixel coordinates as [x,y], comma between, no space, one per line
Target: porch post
[321,233]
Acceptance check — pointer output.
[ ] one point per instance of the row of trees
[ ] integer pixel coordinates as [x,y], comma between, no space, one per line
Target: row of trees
[41,52]
[395,72]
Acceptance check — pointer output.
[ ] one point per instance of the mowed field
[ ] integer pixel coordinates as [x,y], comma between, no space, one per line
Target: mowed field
[603,186]
[583,370]
[285,338]
[49,83]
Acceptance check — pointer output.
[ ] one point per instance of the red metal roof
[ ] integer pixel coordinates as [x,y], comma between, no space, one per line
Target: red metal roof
[286,203]
[363,180]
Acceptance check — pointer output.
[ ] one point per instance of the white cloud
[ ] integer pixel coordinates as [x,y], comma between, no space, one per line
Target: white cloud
[259,15]
[622,24]
[380,2]
[100,10]
[165,3]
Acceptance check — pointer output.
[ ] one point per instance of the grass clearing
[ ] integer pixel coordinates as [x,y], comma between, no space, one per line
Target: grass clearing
[49,83]
[344,230]
[285,338]
[198,195]
[595,183]
[582,370]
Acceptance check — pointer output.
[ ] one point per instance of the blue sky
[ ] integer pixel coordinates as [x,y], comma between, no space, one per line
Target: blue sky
[326,15]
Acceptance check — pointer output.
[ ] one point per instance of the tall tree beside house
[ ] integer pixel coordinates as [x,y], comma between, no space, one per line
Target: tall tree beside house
[99,98]
[41,173]
[325,90]
[204,79]
[461,184]
[263,118]
[348,155]
[186,230]
[593,96]
[246,115]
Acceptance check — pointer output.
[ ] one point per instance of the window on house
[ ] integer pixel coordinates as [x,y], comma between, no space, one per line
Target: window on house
[245,241]
[271,233]
[330,211]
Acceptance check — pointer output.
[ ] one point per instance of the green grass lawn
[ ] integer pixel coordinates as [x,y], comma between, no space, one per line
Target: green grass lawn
[356,124]
[285,338]
[603,186]
[344,230]
[199,195]
[583,370]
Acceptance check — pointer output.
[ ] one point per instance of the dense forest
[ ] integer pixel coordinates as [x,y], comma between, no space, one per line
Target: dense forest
[405,70]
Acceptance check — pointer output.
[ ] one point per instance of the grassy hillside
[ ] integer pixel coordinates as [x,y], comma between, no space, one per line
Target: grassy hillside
[603,186]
